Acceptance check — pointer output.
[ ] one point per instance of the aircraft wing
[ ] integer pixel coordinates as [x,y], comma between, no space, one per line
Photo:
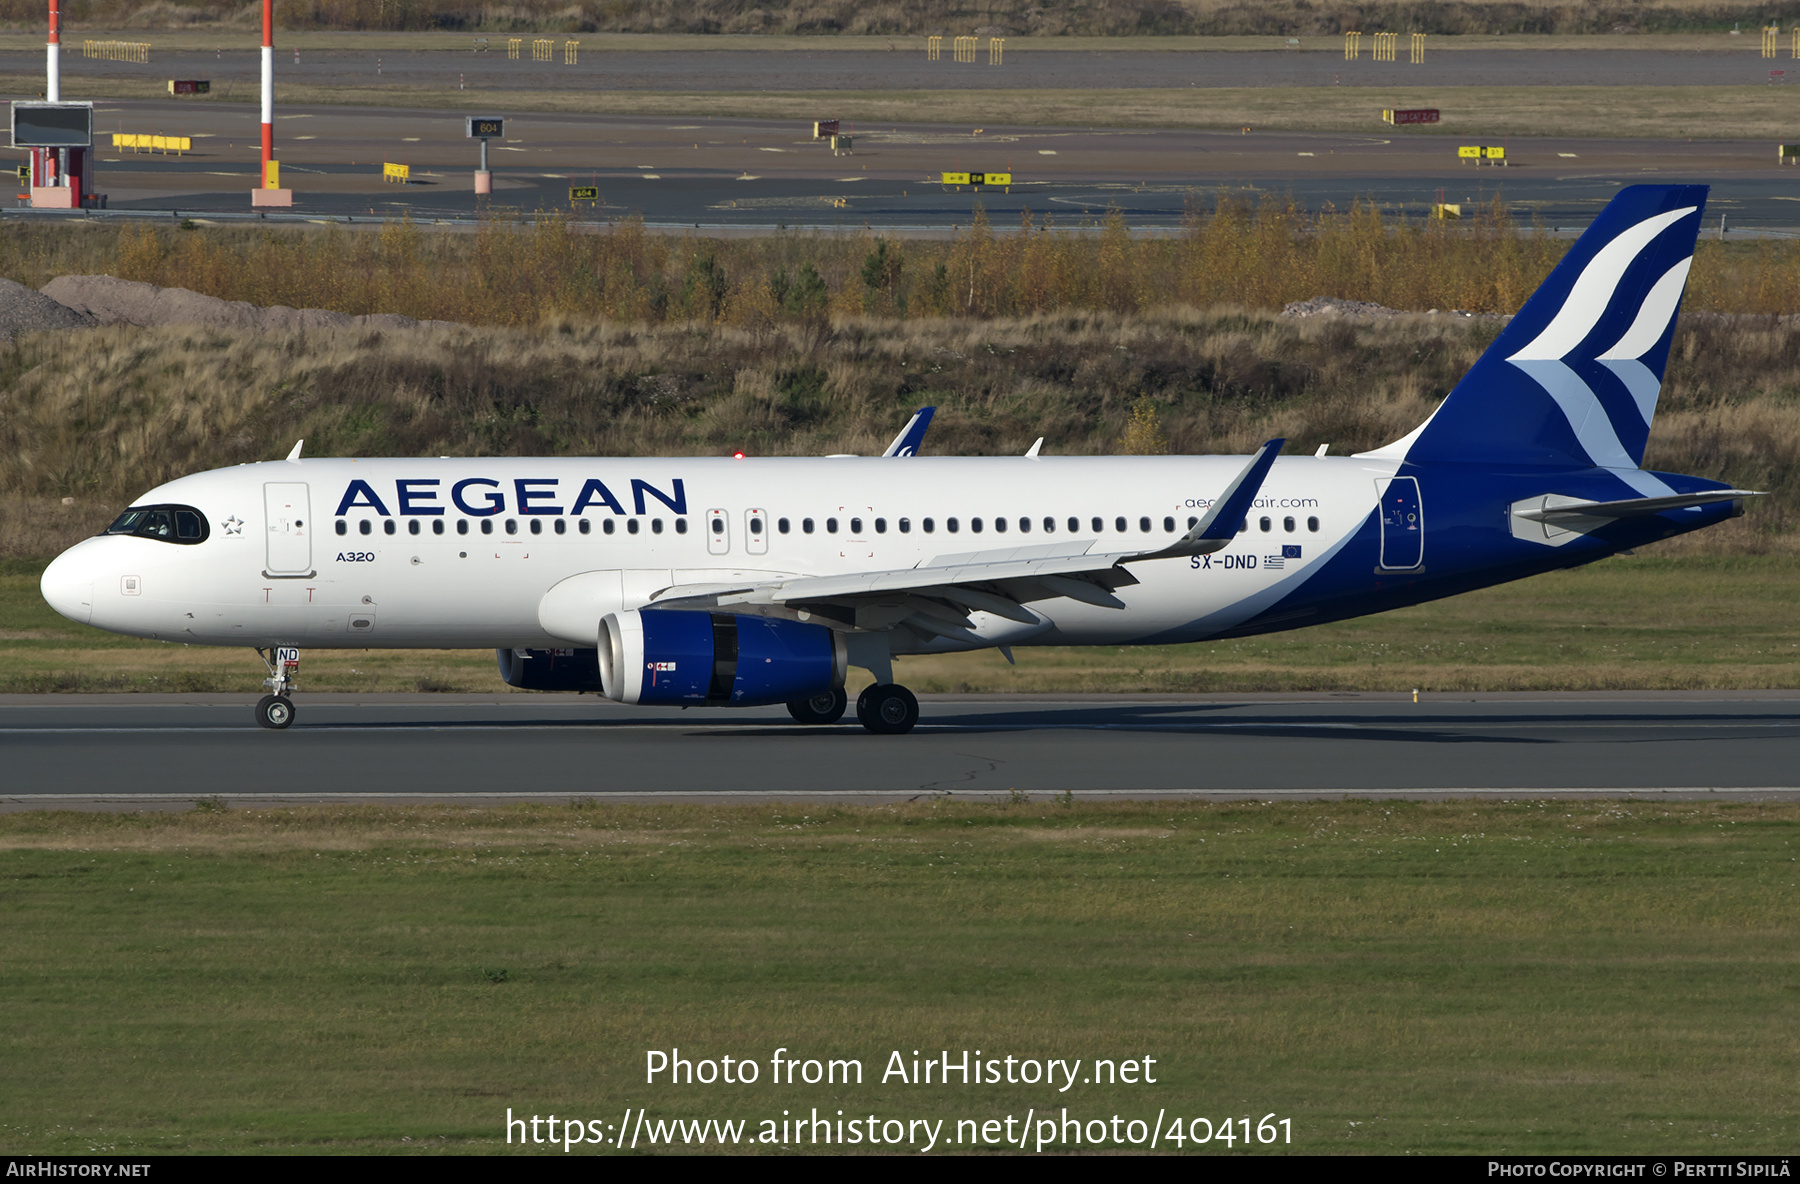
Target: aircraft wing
[938,596]
[1564,509]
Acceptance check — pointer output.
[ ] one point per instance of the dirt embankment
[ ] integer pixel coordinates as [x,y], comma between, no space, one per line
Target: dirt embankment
[106,300]
[84,301]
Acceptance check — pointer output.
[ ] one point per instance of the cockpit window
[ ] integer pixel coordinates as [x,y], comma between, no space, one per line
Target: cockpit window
[170,524]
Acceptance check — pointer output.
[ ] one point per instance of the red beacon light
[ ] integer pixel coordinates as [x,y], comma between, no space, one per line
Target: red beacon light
[737,456]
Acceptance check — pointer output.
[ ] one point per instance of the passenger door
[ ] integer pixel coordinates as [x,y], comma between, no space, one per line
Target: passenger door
[287,512]
[1402,524]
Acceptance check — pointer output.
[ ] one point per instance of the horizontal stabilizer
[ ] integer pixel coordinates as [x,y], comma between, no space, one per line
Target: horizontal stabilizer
[1631,507]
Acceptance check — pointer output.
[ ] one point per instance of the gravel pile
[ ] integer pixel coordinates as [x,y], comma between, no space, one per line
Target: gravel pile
[1320,305]
[25,311]
[106,300]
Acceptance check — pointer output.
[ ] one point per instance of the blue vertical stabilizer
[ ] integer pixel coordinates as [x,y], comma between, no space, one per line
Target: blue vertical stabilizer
[1572,381]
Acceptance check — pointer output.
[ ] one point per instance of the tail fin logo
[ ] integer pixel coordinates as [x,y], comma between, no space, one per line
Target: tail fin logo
[1572,380]
[1546,357]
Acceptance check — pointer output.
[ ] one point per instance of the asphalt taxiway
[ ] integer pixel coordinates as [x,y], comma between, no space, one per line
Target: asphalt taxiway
[128,751]
[755,175]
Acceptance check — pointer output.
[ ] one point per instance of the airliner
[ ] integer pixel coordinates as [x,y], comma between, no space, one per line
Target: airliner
[742,581]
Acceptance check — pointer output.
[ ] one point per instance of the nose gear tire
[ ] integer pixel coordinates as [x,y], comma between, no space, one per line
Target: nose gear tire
[275,711]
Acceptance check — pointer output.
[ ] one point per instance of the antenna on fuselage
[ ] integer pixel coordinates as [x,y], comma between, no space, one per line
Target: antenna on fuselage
[298,445]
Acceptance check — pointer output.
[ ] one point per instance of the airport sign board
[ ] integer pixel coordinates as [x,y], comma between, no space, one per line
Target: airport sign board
[53,125]
[584,193]
[485,127]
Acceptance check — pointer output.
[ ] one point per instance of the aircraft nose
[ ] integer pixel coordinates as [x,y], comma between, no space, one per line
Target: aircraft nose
[68,585]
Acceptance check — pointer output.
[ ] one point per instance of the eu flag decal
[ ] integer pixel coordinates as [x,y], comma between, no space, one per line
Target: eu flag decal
[1290,551]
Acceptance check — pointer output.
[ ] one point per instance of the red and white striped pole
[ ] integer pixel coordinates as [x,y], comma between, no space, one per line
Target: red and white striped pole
[52,62]
[268,89]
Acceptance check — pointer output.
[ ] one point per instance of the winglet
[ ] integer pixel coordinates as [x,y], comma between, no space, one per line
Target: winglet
[295,454]
[912,435]
[1032,452]
[1221,523]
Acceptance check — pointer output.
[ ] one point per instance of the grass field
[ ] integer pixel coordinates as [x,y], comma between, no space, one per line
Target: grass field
[1634,622]
[1393,977]
[1658,112]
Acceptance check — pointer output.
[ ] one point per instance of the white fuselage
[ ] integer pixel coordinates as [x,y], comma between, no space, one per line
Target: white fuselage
[462,553]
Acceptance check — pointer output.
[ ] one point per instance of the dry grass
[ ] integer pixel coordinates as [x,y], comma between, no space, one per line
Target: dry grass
[101,415]
[1650,112]
[892,17]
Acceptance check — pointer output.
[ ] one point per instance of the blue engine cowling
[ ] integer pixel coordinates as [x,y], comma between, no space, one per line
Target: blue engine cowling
[550,670]
[668,657]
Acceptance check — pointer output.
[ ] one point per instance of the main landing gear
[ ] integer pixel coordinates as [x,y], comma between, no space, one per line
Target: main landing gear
[276,710]
[887,709]
[827,708]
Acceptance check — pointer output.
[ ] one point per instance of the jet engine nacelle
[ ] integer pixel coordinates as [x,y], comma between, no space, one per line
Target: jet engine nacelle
[550,670]
[672,657]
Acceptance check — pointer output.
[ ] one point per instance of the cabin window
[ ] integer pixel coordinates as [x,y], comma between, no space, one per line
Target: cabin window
[512,526]
[1192,522]
[1098,526]
[905,525]
[806,525]
[1312,524]
[656,526]
[831,526]
[681,526]
[950,525]
[413,527]
[1049,526]
[718,525]
[1025,525]
[1119,524]
[855,526]
[975,526]
[930,525]
[1144,525]
[1287,524]
[487,526]
[462,526]
[583,526]
[437,526]
[631,526]
[342,527]
[1168,526]
[537,526]
[783,525]
[562,526]
[388,527]
[881,526]
[1000,526]
[1265,525]
[607,527]
[365,526]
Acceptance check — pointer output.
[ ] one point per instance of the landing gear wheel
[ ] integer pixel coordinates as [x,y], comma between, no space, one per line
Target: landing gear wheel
[275,711]
[887,710]
[820,709]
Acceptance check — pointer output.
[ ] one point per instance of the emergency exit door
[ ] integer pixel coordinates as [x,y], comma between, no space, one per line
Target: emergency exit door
[1402,524]
[287,514]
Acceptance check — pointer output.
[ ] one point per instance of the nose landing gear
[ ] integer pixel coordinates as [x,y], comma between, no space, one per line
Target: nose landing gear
[276,710]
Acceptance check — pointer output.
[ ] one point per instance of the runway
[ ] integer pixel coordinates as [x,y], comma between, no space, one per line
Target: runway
[750,175]
[123,751]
